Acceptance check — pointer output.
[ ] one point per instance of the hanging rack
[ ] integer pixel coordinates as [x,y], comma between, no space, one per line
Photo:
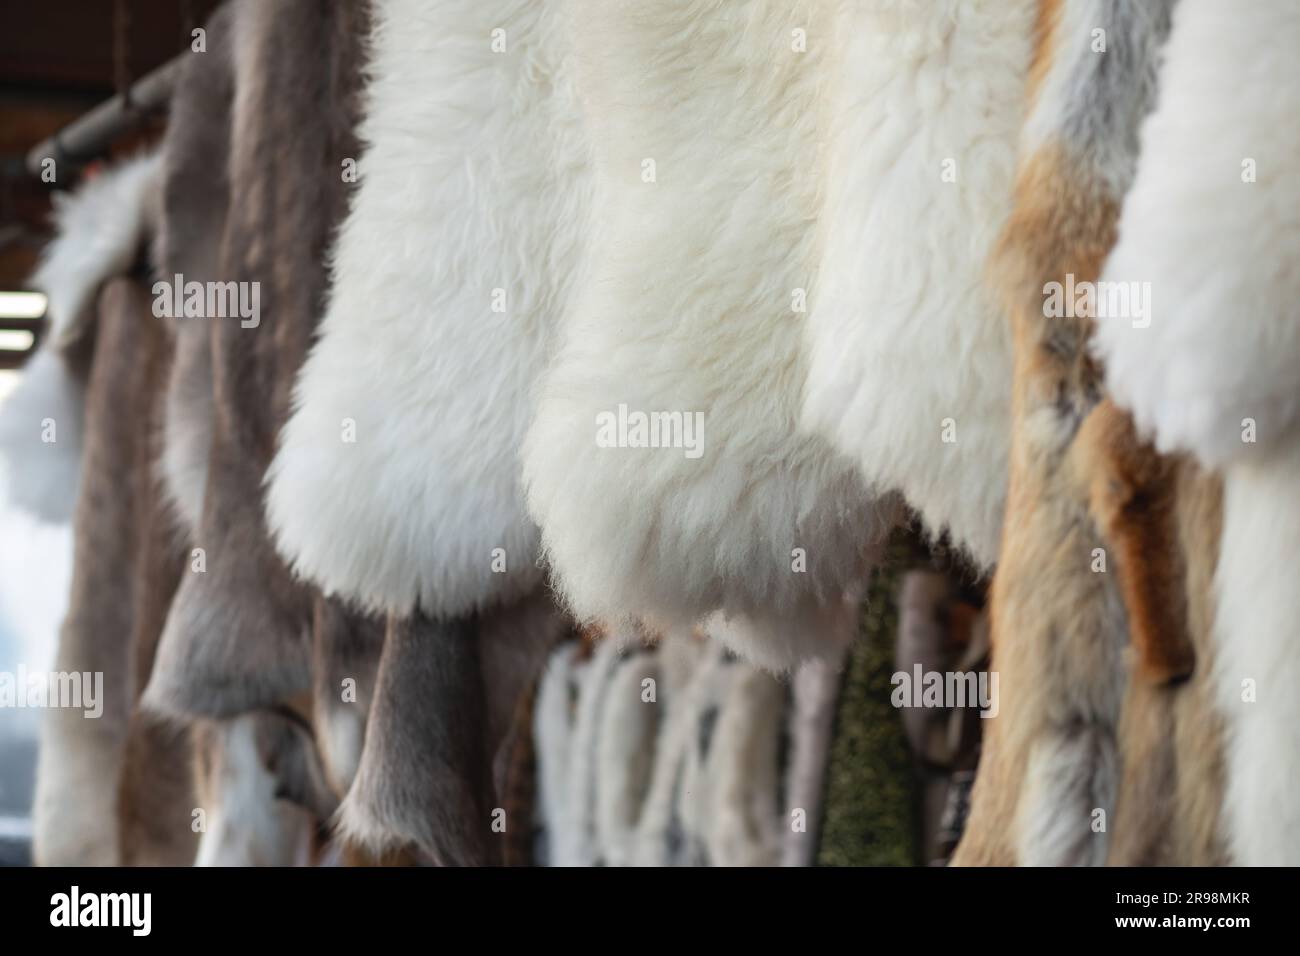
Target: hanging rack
[88,137]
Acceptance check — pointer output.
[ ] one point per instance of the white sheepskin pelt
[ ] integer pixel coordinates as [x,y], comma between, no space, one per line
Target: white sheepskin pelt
[458,254]
[706,125]
[1257,659]
[1212,223]
[910,356]
[1212,227]
[100,229]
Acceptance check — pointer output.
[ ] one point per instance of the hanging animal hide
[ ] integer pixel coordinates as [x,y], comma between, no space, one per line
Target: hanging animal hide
[909,355]
[663,465]
[425,774]
[100,229]
[1213,225]
[117,576]
[450,272]
[1169,808]
[1049,763]
[238,635]
[261,790]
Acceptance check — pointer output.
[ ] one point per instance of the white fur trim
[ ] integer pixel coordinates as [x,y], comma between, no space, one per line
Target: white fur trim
[904,335]
[476,182]
[1219,253]
[1257,633]
[101,228]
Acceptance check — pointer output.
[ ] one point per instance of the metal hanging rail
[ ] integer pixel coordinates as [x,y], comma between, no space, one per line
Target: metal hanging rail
[89,137]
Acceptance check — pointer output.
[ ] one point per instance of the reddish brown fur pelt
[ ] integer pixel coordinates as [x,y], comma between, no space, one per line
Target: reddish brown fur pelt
[1048,772]
[1054,623]
[1171,735]
[1133,494]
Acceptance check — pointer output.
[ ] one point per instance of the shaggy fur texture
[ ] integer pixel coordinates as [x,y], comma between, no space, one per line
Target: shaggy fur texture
[1169,809]
[1257,663]
[1049,760]
[1223,347]
[120,570]
[1219,252]
[100,229]
[687,306]
[903,336]
[478,183]
[1133,496]
[238,635]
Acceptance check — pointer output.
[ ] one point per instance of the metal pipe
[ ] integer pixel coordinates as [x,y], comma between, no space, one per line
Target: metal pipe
[89,137]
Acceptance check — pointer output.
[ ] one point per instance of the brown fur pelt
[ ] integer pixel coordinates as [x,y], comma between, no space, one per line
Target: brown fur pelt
[435,753]
[1049,763]
[123,573]
[239,633]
